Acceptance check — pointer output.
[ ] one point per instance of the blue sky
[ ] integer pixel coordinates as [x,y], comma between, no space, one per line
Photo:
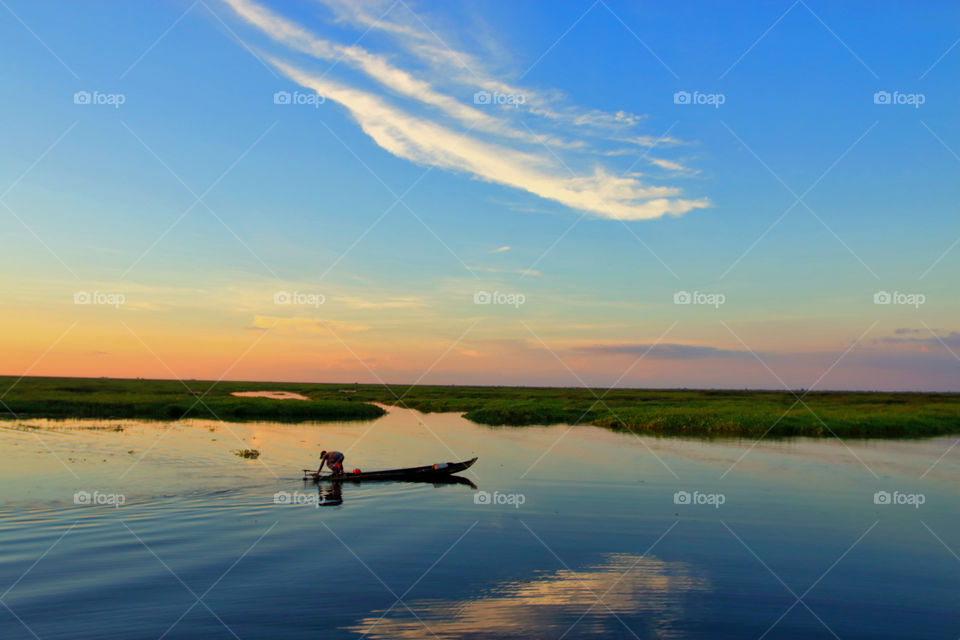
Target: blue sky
[609,195]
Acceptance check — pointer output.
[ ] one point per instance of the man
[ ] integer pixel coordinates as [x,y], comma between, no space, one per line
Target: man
[333,460]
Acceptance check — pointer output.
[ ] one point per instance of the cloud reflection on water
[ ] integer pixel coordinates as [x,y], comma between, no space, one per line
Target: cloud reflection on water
[648,594]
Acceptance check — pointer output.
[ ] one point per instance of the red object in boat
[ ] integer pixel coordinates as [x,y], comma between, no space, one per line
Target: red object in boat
[357,471]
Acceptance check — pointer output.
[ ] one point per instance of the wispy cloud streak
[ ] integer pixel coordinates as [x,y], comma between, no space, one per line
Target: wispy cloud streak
[418,120]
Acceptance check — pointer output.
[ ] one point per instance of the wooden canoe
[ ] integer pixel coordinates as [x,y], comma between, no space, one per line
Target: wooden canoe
[421,474]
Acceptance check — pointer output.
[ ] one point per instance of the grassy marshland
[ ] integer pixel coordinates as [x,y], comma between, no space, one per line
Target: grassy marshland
[172,400]
[695,412]
[668,412]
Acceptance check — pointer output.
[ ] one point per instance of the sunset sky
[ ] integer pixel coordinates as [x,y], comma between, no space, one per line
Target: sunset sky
[483,192]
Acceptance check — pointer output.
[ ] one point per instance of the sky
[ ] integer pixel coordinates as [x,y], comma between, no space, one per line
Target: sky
[705,194]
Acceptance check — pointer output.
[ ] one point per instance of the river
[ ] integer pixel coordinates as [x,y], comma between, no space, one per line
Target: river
[136,529]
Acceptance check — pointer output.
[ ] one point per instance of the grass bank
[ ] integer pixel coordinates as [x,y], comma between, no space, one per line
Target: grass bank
[172,400]
[695,412]
[710,413]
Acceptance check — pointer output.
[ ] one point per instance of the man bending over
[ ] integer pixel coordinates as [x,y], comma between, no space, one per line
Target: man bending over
[333,460]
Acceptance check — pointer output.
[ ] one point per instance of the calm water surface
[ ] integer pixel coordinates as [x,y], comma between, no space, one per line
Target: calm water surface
[571,533]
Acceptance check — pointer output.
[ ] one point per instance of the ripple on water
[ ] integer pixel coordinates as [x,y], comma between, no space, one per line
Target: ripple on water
[195,516]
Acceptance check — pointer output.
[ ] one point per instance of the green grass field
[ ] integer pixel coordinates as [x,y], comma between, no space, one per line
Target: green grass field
[172,400]
[696,412]
[701,413]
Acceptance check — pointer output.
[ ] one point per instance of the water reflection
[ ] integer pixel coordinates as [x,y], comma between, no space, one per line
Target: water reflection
[273,395]
[644,593]
[330,491]
[436,482]
[331,494]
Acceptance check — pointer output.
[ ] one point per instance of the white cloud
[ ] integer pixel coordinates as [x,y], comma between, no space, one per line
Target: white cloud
[355,302]
[457,140]
[428,143]
[519,272]
[407,27]
[667,164]
[501,249]
[306,325]
[380,69]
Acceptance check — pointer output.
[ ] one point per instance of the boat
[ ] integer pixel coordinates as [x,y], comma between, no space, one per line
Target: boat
[428,473]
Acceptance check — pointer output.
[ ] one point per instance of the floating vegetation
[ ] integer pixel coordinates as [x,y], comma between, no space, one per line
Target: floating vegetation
[248,453]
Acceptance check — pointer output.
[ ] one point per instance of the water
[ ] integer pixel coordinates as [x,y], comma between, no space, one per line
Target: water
[571,532]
